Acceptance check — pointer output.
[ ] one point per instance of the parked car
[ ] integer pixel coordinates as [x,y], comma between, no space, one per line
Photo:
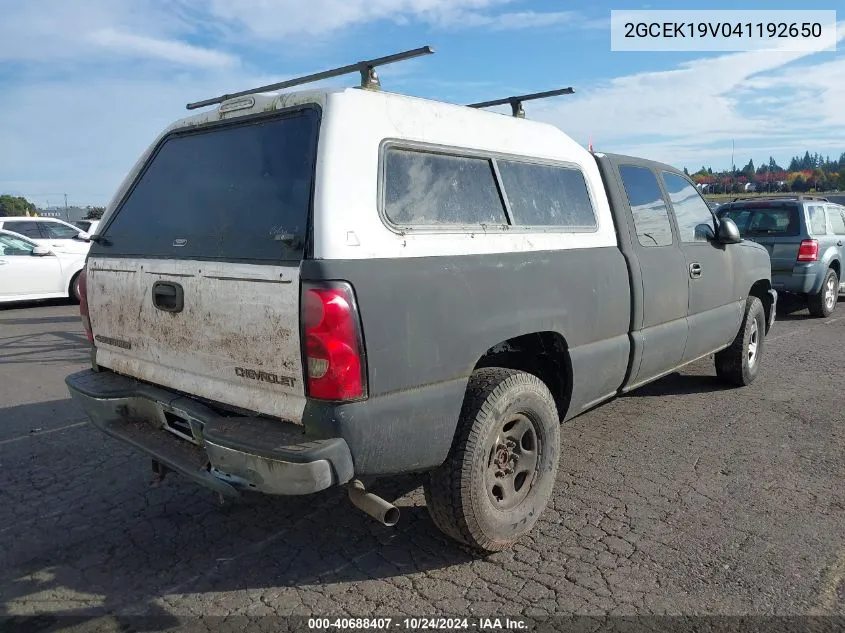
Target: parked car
[32,271]
[430,288]
[55,234]
[805,237]
[89,226]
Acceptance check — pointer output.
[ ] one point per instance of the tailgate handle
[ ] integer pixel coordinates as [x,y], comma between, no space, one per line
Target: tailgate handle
[168,296]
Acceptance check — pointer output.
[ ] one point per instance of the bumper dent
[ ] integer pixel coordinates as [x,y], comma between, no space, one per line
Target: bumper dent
[226,454]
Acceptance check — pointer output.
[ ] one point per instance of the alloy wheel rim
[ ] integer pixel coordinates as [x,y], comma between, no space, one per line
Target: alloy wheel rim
[830,293]
[753,343]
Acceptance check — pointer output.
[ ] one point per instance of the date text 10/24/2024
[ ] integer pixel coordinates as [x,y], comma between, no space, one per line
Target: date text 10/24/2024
[417,624]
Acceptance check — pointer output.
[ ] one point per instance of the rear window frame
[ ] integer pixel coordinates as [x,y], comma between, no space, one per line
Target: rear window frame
[491,156]
[101,250]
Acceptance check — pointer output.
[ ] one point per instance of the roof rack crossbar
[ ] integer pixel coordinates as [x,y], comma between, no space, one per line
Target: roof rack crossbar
[369,78]
[516,102]
[782,198]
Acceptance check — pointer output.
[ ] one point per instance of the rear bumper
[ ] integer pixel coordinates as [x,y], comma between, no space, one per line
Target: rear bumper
[226,454]
[804,279]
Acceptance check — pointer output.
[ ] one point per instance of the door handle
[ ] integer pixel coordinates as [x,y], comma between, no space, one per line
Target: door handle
[3,263]
[168,296]
[695,270]
[839,243]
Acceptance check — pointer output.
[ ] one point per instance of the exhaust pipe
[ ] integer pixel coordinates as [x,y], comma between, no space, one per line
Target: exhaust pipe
[382,511]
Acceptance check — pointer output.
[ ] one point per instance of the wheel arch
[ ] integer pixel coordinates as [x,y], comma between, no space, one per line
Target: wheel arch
[760,289]
[544,354]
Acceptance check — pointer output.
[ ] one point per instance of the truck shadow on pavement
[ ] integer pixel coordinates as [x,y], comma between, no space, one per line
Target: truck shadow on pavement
[128,550]
[679,384]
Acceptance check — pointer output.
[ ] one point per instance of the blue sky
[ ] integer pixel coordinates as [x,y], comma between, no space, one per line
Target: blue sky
[85,85]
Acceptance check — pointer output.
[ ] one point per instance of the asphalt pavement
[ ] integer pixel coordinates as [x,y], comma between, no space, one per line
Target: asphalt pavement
[683,498]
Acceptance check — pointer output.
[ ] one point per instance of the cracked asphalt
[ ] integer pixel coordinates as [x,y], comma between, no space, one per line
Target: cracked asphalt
[683,498]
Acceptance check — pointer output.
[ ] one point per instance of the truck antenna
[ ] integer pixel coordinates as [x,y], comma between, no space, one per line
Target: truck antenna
[367,68]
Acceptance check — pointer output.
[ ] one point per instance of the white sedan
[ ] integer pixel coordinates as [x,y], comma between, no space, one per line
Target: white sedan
[31,271]
[50,232]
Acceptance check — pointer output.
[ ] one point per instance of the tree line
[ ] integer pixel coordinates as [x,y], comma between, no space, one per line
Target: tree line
[810,172]
[18,205]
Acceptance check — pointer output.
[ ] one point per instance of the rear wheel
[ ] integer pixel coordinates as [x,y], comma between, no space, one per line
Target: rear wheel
[73,289]
[823,303]
[501,470]
[739,363]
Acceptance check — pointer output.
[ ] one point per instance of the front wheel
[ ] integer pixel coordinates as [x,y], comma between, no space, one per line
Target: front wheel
[501,469]
[739,363]
[823,303]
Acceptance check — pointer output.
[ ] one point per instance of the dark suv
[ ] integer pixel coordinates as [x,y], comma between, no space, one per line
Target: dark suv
[805,238]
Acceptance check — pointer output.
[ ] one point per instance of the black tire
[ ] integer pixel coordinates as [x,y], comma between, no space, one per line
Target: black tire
[506,414]
[739,363]
[823,303]
[73,289]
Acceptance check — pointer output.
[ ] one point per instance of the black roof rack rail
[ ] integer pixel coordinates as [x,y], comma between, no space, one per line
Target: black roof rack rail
[782,198]
[369,78]
[516,102]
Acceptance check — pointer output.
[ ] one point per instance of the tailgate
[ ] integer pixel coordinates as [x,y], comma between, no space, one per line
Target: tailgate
[235,340]
[193,283]
[783,251]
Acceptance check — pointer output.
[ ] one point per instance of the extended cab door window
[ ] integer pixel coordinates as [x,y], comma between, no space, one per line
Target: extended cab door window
[651,218]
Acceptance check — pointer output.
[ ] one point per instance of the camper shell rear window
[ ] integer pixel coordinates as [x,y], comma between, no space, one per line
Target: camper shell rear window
[237,192]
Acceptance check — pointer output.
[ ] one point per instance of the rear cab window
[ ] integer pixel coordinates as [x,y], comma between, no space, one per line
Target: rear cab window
[237,192]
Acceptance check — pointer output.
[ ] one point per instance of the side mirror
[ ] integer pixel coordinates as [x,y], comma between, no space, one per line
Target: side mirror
[41,251]
[83,236]
[728,232]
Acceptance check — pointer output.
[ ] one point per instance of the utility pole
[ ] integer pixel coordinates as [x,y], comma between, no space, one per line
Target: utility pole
[66,215]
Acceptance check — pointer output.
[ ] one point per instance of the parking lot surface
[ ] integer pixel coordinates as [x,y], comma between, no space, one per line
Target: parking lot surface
[684,497]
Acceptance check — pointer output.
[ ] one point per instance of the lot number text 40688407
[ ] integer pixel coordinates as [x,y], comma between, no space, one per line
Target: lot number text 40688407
[417,624]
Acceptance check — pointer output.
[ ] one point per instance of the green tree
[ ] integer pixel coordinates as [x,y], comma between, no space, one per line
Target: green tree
[748,170]
[15,205]
[95,213]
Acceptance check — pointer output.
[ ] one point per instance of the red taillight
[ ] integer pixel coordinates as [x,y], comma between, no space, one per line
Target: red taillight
[83,304]
[808,251]
[335,366]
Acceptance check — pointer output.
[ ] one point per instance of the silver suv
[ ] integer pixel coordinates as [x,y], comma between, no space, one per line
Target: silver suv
[805,237]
